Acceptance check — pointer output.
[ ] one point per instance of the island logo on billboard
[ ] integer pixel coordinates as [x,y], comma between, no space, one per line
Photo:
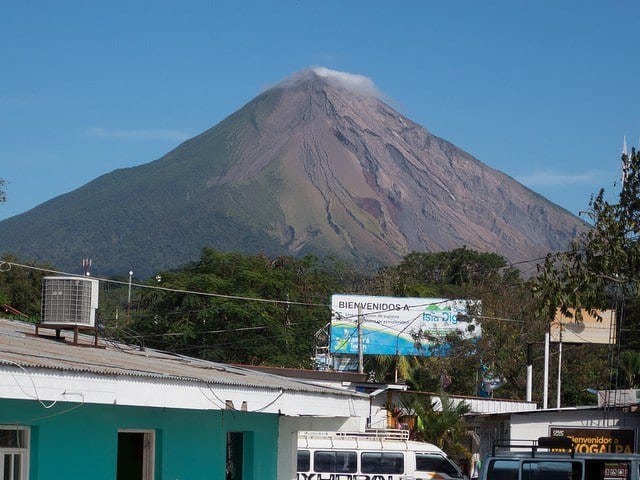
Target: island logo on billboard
[399,325]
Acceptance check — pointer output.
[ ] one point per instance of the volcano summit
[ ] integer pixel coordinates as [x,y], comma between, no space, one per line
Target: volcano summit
[317,164]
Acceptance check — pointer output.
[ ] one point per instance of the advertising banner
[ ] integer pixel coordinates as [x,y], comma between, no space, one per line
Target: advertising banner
[398,325]
[590,329]
[598,440]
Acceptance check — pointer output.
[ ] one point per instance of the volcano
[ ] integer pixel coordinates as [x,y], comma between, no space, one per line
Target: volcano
[317,164]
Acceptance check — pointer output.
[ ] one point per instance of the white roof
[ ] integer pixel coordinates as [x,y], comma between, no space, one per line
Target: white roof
[46,369]
[362,441]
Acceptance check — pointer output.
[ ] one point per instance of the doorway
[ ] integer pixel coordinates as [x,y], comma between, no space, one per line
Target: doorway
[135,454]
[235,455]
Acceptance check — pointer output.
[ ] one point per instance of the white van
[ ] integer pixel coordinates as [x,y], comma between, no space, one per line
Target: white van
[373,455]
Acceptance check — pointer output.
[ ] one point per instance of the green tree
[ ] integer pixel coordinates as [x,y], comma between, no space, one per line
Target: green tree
[439,421]
[20,287]
[506,305]
[223,324]
[602,266]
[630,368]
[600,270]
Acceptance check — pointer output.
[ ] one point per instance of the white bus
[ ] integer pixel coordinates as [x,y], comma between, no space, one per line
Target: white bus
[373,455]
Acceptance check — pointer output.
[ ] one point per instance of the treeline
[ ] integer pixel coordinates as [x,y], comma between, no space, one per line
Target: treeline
[254,309]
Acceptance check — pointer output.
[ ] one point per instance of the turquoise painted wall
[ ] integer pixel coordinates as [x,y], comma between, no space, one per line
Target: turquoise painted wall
[74,442]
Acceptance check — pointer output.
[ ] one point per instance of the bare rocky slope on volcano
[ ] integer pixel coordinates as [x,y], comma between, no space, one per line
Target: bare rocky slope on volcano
[309,166]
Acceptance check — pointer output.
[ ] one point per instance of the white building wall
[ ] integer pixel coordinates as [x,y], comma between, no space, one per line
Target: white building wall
[48,385]
[534,425]
[525,427]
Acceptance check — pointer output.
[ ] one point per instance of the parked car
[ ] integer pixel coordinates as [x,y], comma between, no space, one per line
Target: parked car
[554,458]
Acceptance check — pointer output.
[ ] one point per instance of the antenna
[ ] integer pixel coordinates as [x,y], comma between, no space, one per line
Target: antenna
[86,265]
[625,160]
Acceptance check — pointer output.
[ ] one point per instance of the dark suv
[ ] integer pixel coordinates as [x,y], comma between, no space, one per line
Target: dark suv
[554,458]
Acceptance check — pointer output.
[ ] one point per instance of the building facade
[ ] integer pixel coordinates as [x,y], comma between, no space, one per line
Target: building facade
[116,411]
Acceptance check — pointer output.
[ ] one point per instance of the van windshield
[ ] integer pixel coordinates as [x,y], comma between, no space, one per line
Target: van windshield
[431,462]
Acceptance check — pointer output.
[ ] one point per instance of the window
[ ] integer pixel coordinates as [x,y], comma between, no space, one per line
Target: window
[14,453]
[609,469]
[431,462]
[382,462]
[503,470]
[304,461]
[335,461]
[543,470]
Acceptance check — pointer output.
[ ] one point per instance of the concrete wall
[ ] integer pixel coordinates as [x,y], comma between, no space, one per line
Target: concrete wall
[531,426]
[79,441]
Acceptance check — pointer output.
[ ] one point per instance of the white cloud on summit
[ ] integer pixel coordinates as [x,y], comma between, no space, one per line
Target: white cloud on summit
[142,134]
[545,178]
[349,81]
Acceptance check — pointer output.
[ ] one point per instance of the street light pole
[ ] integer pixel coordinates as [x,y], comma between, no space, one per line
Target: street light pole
[129,294]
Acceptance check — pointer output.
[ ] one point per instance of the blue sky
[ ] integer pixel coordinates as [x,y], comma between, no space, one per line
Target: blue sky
[543,91]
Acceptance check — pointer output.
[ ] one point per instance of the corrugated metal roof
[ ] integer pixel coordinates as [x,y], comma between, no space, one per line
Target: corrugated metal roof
[20,346]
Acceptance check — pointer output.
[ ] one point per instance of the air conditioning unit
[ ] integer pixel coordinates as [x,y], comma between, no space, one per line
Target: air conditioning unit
[69,301]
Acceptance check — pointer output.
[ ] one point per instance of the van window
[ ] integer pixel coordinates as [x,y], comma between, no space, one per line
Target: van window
[503,470]
[304,461]
[542,470]
[335,461]
[382,462]
[430,462]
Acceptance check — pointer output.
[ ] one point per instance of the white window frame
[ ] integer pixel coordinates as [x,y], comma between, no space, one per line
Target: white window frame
[21,452]
[149,449]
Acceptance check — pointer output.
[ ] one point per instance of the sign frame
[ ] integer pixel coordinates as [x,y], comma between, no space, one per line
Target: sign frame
[399,325]
[602,440]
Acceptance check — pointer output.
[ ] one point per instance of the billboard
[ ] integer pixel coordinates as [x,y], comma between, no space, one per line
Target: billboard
[589,330]
[392,325]
[598,440]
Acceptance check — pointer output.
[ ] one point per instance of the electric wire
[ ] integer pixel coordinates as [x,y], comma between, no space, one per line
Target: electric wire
[167,289]
[4,264]
[35,396]
[534,262]
[287,302]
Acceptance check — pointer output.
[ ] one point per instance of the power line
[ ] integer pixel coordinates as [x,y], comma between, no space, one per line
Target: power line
[167,289]
[287,302]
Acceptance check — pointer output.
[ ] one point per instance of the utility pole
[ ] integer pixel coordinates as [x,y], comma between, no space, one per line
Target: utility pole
[360,353]
[529,373]
[129,294]
[545,393]
[559,367]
